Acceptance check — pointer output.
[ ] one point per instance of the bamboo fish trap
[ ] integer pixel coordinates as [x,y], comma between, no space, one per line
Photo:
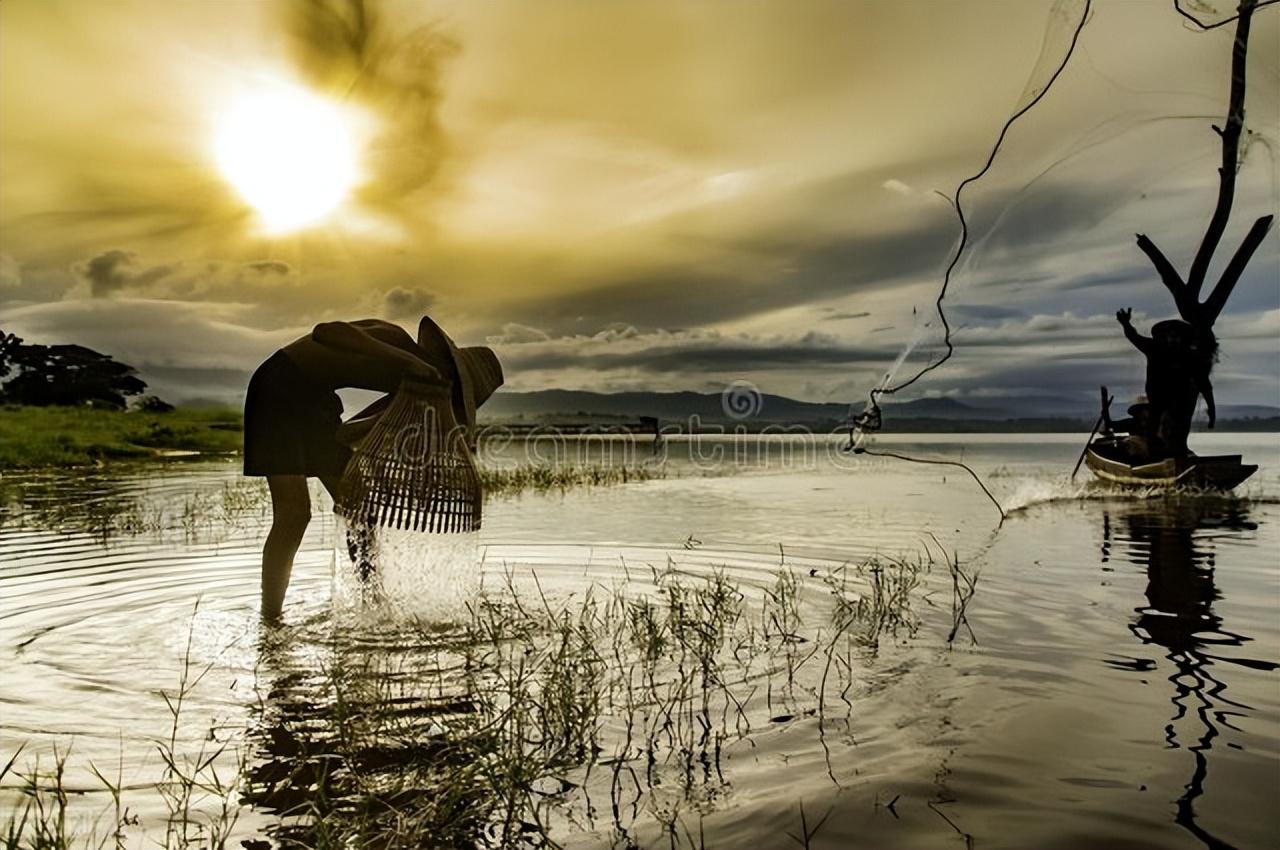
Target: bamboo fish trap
[413,470]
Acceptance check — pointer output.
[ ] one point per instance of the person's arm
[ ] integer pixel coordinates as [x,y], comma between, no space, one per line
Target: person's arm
[1145,344]
[1128,425]
[345,336]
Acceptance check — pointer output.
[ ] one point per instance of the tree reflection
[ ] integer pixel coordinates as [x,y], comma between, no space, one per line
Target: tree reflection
[1173,540]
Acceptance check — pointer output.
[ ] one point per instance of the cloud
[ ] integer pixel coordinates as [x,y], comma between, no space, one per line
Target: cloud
[560,176]
[357,50]
[400,302]
[514,333]
[687,352]
[270,267]
[182,349]
[10,272]
[116,270]
[281,295]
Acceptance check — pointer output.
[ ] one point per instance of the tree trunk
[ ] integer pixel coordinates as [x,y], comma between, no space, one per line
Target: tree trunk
[1186,294]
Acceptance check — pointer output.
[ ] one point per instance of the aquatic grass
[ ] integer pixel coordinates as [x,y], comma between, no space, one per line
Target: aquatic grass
[963,587]
[633,691]
[202,805]
[190,781]
[106,508]
[40,823]
[611,709]
[544,477]
[807,833]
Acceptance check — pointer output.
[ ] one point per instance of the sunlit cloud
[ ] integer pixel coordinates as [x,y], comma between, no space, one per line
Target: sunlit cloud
[630,197]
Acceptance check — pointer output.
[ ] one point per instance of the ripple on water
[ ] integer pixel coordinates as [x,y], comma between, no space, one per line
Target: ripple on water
[95,620]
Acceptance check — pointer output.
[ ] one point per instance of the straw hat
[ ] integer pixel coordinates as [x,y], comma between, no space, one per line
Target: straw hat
[476,372]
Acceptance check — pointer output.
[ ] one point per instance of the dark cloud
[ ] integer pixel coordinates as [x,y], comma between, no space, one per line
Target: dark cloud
[400,302]
[355,50]
[1030,218]
[1074,379]
[1112,278]
[987,312]
[116,270]
[815,270]
[708,355]
[107,272]
[270,267]
[787,266]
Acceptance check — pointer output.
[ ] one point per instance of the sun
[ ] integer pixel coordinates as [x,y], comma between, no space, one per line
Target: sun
[291,154]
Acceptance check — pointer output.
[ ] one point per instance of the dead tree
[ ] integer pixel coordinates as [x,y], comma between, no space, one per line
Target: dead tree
[1186,293]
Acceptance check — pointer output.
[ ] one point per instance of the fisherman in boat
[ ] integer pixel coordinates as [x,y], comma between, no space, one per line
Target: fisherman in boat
[292,418]
[1179,359]
[1138,428]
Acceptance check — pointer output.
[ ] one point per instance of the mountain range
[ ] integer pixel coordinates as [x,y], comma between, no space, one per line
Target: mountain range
[764,408]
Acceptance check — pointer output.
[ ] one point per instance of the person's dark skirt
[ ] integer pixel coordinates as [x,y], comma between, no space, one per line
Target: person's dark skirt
[291,423]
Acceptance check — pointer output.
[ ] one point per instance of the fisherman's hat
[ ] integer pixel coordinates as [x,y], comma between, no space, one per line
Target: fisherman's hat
[476,372]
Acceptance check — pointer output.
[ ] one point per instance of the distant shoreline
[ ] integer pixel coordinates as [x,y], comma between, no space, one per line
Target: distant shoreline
[67,437]
[912,425]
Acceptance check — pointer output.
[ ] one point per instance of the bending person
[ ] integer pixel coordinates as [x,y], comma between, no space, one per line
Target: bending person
[293,428]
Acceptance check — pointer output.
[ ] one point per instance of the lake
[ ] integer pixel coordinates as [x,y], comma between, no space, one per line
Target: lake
[863,654]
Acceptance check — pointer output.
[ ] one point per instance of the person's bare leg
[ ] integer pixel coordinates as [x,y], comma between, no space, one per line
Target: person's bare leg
[290,513]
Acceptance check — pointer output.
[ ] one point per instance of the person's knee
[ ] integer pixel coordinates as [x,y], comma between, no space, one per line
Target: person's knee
[290,504]
[292,517]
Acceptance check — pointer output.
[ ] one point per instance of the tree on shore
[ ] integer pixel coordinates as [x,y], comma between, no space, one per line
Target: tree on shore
[72,375]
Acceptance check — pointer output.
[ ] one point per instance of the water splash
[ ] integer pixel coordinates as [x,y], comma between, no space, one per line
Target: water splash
[1033,492]
[423,577]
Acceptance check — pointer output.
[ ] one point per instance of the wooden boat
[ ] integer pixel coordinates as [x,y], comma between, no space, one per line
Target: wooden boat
[1106,456]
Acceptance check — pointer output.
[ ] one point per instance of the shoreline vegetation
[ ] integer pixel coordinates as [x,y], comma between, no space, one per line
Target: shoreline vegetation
[60,437]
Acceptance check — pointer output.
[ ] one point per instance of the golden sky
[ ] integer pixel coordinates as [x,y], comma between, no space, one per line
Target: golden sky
[658,195]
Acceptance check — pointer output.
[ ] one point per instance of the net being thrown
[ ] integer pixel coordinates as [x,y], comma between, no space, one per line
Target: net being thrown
[1066,21]
[414,470]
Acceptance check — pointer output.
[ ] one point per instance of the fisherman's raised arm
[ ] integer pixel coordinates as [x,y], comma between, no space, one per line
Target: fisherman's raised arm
[1145,344]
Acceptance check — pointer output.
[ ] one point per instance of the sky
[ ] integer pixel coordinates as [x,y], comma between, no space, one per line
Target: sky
[634,196]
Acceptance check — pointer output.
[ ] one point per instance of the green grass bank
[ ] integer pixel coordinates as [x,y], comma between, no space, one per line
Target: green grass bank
[32,437]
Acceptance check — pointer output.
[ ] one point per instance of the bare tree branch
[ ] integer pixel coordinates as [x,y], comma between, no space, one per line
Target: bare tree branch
[1230,135]
[1202,25]
[1169,276]
[1208,313]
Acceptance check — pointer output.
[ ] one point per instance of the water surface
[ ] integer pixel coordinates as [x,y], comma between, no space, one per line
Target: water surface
[1113,681]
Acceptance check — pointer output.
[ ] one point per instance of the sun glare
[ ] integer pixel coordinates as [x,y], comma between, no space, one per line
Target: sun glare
[291,154]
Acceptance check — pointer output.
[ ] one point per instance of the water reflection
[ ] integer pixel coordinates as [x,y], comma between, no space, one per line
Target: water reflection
[602,699]
[350,728]
[1174,541]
